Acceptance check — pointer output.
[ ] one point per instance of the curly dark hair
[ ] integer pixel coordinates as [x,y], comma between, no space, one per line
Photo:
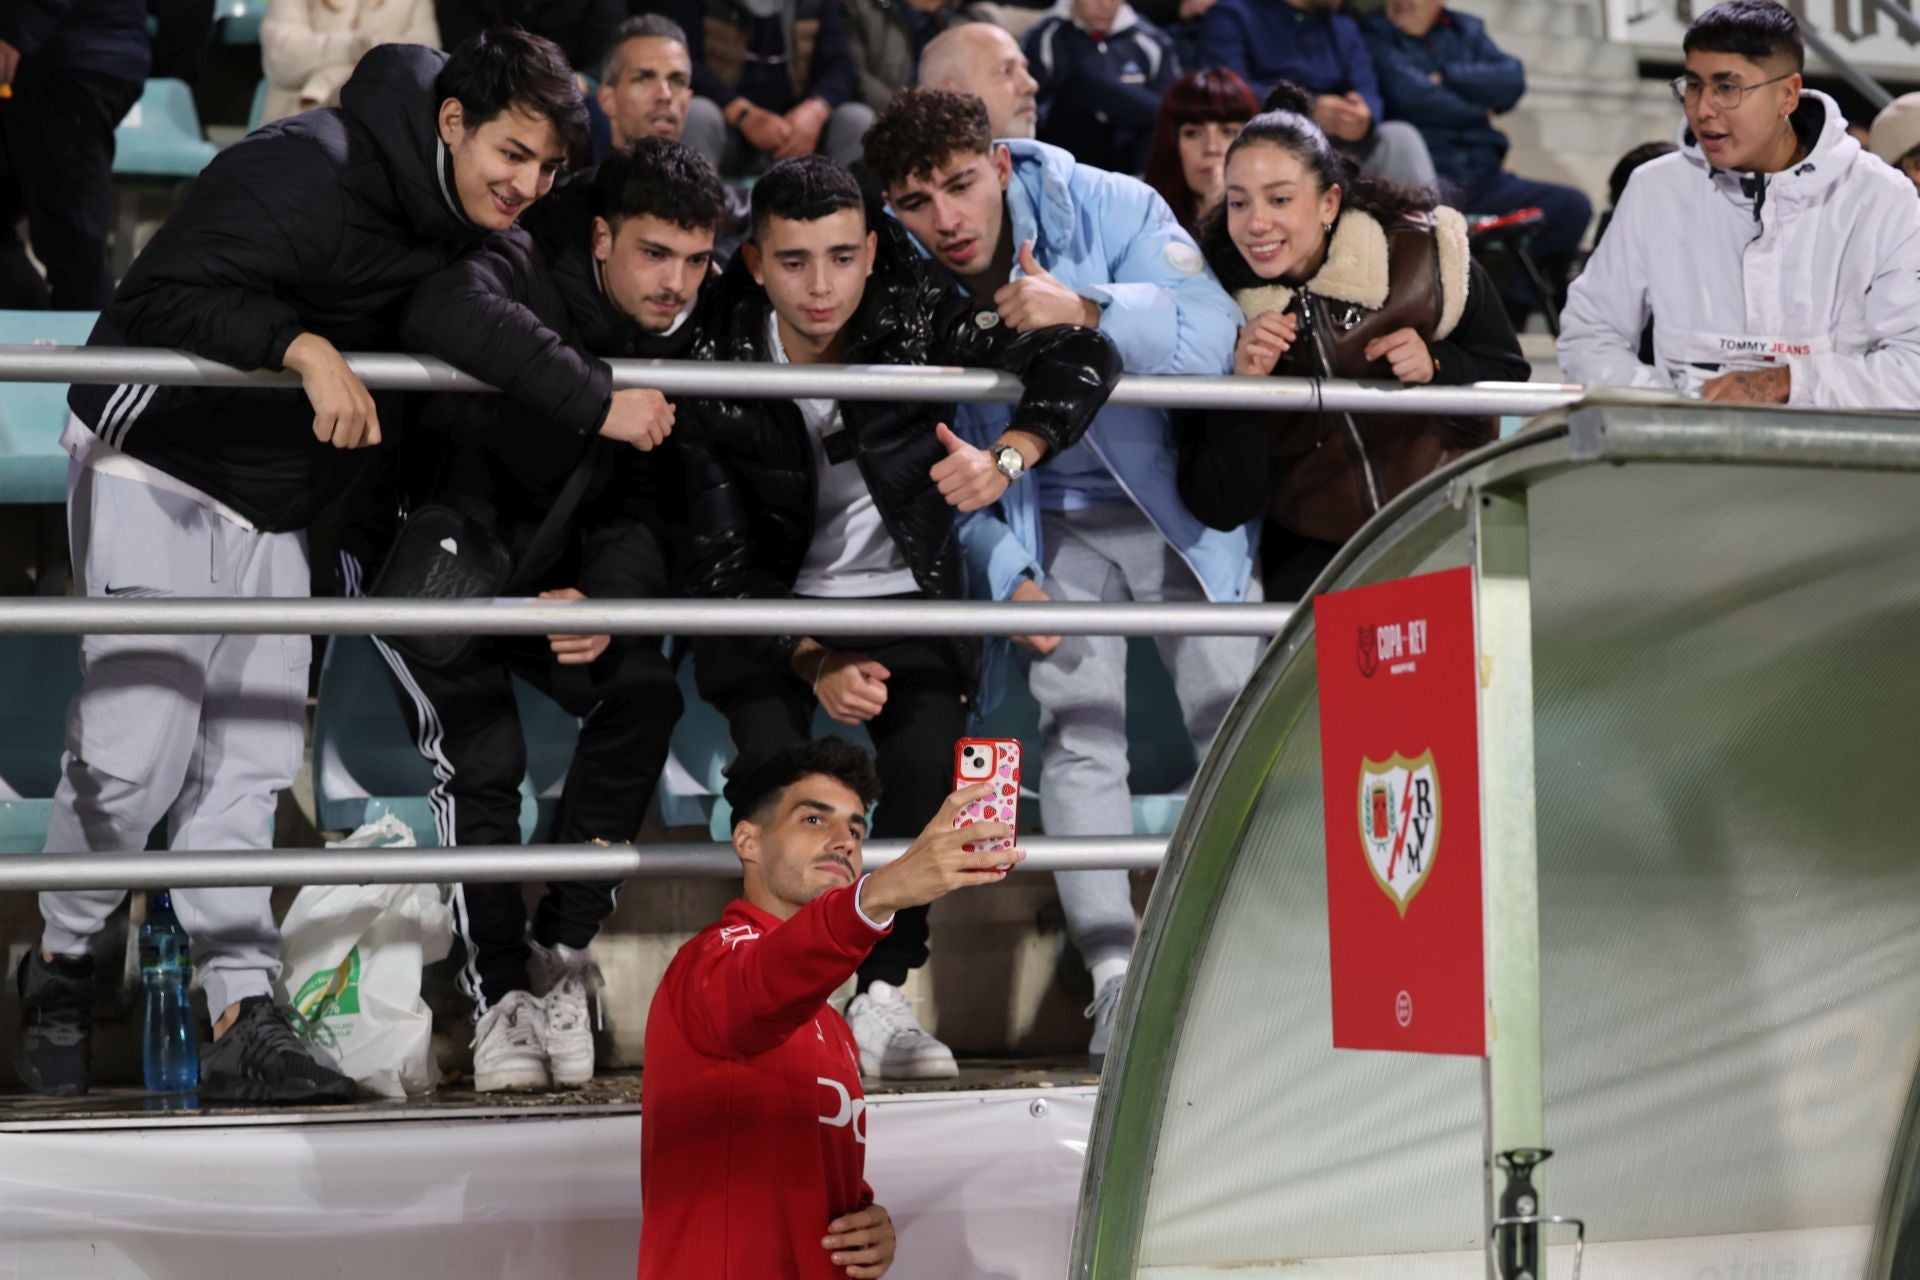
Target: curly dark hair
[756,791]
[1286,120]
[804,189]
[504,67]
[660,178]
[922,129]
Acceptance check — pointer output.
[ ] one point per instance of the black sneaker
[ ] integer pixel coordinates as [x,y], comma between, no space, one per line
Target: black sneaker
[261,1060]
[56,1024]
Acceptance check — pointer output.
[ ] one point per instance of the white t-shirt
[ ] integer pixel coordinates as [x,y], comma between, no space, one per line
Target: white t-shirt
[852,556]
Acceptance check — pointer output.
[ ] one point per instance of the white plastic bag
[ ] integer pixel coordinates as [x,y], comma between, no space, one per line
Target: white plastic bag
[352,956]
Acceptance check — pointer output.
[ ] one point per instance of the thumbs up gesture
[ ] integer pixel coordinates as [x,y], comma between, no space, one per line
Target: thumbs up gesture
[967,478]
[1037,300]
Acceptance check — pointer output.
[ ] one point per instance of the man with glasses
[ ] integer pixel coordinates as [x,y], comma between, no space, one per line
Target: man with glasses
[1778,262]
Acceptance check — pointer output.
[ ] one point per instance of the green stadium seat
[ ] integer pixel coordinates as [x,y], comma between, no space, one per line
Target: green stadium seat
[239,20]
[33,467]
[38,677]
[160,137]
[364,762]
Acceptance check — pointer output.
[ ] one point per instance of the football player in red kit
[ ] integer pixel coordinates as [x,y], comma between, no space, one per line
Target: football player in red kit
[753,1131]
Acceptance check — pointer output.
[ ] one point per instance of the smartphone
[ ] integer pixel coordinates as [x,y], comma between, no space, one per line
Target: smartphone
[994,760]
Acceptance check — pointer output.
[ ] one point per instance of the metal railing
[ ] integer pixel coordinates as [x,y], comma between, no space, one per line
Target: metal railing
[33,615]
[186,868]
[195,869]
[697,379]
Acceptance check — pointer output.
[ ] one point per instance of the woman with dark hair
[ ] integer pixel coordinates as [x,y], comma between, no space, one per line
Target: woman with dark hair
[1338,276]
[1199,117]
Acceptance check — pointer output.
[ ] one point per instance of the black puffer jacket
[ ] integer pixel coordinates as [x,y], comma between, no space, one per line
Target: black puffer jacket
[749,464]
[526,312]
[322,223]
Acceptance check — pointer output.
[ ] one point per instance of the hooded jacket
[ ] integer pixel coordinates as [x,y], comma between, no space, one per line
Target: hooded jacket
[525,310]
[1455,115]
[1816,268]
[1100,94]
[1113,240]
[750,468]
[321,223]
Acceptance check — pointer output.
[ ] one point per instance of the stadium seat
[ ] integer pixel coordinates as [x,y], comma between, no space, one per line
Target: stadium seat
[33,468]
[38,678]
[239,20]
[364,762]
[160,137]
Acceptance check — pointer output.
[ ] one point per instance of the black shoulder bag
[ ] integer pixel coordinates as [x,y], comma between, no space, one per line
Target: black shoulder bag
[442,553]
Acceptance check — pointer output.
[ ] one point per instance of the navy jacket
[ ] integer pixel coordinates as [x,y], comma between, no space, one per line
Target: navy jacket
[1454,116]
[1100,98]
[1269,40]
[104,37]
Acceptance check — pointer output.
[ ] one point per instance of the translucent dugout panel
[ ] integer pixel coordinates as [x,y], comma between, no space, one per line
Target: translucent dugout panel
[1726,621]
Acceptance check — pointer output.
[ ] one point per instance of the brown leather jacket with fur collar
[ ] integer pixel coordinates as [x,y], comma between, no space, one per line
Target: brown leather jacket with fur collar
[1326,473]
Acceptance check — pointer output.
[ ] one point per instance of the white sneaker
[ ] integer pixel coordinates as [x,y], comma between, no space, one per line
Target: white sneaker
[1106,1003]
[509,1046]
[893,1044]
[564,979]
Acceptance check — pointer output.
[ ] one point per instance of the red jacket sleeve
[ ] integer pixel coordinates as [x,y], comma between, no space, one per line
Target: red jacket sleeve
[744,996]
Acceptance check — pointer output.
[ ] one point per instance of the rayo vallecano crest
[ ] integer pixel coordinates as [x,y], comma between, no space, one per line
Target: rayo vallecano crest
[1400,822]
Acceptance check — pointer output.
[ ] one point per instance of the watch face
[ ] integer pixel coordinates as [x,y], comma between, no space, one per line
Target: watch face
[1011,464]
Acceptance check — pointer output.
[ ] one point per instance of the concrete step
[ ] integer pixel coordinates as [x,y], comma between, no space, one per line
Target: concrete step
[1570,56]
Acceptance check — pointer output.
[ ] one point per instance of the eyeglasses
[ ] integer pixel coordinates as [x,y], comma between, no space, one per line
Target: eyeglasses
[1726,94]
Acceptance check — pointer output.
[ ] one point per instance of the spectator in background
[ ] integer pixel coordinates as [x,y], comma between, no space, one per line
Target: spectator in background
[1102,71]
[1021,226]
[646,84]
[889,37]
[1623,170]
[779,76]
[1439,71]
[73,68]
[646,91]
[1200,117]
[987,63]
[1895,137]
[308,48]
[580,27]
[1780,265]
[1312,44]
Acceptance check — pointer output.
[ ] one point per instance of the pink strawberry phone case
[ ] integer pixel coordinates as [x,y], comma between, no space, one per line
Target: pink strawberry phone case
[995,760]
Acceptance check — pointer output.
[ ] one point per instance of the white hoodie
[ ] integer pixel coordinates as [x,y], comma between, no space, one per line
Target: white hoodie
[1823,277]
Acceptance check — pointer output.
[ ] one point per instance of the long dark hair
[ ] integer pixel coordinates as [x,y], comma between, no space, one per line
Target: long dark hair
[1199,97]
[1286,120]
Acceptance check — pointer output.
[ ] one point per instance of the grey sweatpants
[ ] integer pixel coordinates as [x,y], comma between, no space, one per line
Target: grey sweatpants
[1113,553]
[728,151]
[200,730]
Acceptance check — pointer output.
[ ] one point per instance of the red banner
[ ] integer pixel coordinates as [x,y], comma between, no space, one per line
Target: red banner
[1400,767]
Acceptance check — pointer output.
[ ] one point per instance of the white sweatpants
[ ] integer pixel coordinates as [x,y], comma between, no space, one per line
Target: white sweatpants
[201,730]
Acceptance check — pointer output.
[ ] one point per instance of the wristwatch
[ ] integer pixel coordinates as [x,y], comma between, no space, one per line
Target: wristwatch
[1010,464]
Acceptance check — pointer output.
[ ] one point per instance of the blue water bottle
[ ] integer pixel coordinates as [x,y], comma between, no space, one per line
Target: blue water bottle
[170,1047]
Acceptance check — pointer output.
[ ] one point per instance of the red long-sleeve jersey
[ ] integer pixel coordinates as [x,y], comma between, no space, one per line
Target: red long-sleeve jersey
[753,1129]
